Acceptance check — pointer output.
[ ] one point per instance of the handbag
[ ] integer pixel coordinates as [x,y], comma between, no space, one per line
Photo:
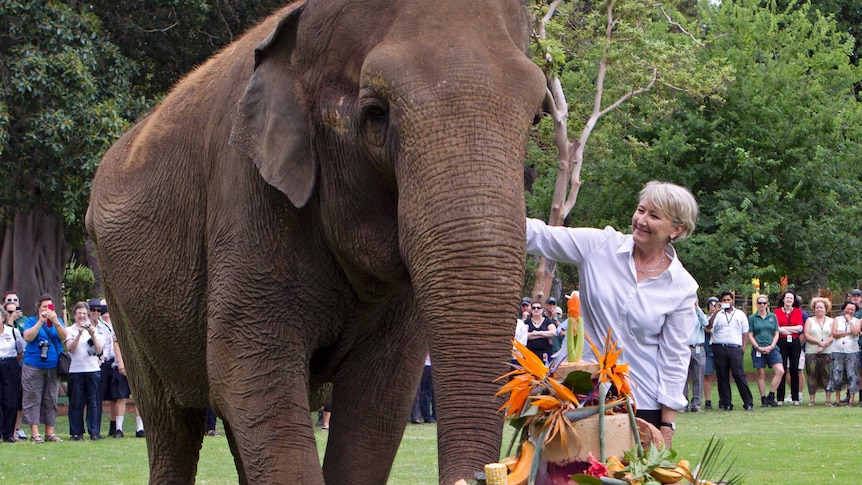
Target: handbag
[64,360]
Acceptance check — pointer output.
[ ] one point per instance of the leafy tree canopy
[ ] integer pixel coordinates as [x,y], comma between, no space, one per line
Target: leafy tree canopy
[64,99]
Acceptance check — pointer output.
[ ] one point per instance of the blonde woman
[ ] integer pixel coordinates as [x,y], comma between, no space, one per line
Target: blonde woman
[818,349]
[845,353]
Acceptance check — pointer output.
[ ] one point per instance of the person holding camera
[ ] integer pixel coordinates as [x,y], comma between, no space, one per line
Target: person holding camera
[85,347]
[11,350]
[44,334]
[729,335]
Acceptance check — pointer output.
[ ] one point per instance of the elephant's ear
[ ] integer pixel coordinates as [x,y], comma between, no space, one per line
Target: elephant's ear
[271,125]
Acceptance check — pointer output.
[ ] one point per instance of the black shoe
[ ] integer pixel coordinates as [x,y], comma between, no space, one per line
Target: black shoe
[707,405]
[139,433]
[846,399]
[748,407]
[76,437]
[95,437]
[112,429]
[11,439]
[118,434]
[416,421]
[430,421]
[729,407]
[772,403]
[763,401]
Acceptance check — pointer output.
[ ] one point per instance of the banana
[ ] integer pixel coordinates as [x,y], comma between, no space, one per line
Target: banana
[521,471]
[510,461]
[666,475]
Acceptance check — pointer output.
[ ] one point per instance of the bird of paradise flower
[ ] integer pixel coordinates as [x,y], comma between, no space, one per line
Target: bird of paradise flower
[537,397]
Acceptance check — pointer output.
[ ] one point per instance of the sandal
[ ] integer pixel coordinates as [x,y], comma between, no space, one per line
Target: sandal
[828,404]
[37,438]
[54,438]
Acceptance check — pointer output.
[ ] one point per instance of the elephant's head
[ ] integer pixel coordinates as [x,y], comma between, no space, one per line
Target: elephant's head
[409,120]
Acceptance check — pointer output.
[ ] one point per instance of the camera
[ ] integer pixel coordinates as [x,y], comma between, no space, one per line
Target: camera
[91,350]
[725,305]
[86,325]
[43,349]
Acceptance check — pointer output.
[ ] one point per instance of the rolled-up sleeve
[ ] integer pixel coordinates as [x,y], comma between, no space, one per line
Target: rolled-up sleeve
[674,355]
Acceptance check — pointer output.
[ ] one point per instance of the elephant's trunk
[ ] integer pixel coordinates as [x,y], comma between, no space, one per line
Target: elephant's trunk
[464,247]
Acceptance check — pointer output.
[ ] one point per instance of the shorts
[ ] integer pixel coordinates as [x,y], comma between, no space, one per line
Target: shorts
[769,359]
[119,386]
[709,365]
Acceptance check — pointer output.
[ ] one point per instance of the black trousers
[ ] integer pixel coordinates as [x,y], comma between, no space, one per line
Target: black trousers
[10,395]
[728,360]
[790,352]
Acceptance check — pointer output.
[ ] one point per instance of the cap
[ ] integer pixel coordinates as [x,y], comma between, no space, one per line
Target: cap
[551,300]
[526,301]
[856,292]
[712,298]
[559,311]
[94,303]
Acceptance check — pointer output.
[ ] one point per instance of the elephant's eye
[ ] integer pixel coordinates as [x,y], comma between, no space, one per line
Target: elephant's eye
[375,121]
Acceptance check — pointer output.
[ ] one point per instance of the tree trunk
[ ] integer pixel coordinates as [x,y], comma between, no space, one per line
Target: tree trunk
[33,258]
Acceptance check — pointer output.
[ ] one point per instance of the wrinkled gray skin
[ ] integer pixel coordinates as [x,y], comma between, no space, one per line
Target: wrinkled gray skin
[320,199]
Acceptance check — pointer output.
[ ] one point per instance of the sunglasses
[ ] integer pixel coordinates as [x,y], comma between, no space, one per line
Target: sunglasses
[10,300]
[537,308]
[761,303]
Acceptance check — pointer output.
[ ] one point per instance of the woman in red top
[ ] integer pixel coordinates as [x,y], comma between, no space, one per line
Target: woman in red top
[790,327]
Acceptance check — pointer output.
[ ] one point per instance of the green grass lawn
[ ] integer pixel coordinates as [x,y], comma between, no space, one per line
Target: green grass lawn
[788,445]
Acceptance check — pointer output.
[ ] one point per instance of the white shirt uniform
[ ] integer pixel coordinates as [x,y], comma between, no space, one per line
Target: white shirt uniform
[11,342]
[650,319]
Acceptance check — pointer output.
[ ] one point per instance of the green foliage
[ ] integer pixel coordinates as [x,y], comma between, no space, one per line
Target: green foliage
[770,153]
[78,283]
[65,97]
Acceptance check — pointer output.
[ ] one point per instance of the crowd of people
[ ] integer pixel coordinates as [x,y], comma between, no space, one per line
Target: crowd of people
[30,382]
[799,347]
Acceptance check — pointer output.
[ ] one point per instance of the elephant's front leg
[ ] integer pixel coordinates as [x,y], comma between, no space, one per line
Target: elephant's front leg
[261,388]
[371,399]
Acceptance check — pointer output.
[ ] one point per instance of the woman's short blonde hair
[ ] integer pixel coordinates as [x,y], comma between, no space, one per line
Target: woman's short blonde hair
[675,201]
[819,299]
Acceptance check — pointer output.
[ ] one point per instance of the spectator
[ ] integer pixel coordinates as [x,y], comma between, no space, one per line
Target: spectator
[729,329]
[559,341]
[845,353]
[423,404]
[856,297]
[525,307]
[696,362]
[120,391]
[85,346]
[790,327]
[763,335]
[210,428]
[709,364]
[12,298]
[818,349]
[11,350]
[541,331]
[45,333]
[635,286]
[106,337]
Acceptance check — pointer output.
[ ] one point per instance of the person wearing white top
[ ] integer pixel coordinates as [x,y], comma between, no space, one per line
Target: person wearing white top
[635,285]
[11,349]
[84,346]
[729,333]
[845,352]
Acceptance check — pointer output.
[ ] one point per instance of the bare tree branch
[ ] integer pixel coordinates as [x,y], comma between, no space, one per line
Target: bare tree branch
[677,25]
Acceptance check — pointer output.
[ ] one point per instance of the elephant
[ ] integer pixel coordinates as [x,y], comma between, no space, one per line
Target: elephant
[333,193]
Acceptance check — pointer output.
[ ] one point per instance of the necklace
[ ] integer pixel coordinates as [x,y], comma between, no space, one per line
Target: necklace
[654,268]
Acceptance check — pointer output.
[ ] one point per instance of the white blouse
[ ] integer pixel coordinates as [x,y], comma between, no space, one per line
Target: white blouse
[651,319]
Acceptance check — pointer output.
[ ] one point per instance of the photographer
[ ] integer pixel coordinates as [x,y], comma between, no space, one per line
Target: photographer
[85,347]
[44,334]
[11,350]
